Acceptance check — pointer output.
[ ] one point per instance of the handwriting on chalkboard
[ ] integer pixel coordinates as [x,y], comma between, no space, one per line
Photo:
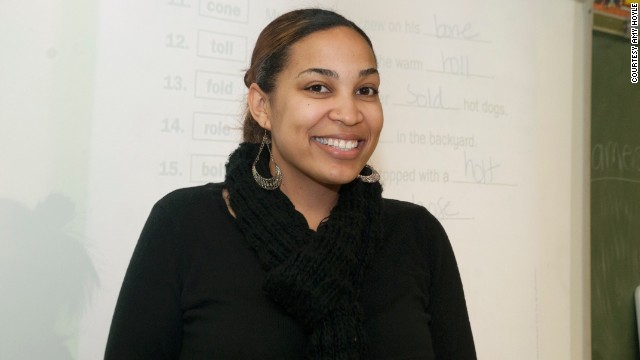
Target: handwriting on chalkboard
[614,161]
[615,156]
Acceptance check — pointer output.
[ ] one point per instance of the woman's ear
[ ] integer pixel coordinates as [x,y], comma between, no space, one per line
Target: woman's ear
[258,103]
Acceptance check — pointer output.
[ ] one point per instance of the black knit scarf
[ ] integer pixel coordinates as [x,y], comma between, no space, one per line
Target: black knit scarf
[315,276]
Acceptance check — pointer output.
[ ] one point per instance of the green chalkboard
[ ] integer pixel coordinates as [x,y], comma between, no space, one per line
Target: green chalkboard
[615,200]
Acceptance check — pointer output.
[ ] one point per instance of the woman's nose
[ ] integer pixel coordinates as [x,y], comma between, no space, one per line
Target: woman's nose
[346,111]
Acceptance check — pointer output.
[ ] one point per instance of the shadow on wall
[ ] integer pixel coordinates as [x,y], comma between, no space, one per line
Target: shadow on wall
[46,278]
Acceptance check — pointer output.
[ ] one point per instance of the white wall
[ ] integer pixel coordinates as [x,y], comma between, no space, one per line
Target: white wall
[106,106]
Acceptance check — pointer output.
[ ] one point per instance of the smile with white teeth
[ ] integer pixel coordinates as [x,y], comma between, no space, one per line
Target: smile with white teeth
[337,143]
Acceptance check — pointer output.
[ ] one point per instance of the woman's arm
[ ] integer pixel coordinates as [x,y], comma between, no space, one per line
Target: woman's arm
[147,323]
[450,327]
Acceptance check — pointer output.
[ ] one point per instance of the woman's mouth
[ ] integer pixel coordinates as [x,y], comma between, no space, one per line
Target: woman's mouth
[340,144]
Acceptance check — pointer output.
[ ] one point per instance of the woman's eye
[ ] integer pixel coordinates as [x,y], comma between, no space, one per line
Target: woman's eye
[368,91]
[318,88]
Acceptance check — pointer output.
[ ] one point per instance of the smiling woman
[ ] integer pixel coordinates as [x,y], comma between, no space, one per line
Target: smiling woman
[296,254]
[324,115]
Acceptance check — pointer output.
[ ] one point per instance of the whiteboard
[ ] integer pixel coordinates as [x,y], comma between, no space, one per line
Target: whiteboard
[112,104]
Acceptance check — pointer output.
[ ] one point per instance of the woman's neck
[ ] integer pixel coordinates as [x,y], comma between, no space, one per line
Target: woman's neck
[313,200]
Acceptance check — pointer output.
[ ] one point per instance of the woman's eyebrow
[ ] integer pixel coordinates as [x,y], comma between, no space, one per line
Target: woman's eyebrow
[369,71]
[333,74]
[323,72]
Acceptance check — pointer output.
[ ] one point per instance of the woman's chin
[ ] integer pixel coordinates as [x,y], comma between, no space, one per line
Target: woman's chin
[341,177]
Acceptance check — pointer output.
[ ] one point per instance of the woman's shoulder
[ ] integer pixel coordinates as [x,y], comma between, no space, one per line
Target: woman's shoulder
[407,218]
[191,199]
[394,208]
[191,193]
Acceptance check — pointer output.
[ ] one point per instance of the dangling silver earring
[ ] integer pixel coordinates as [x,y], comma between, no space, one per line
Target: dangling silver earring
[271,183]
[371,178]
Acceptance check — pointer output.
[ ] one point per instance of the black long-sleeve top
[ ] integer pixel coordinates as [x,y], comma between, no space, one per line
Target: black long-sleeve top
[193,290]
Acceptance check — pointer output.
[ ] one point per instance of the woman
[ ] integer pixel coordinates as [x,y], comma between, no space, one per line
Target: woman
[296,255]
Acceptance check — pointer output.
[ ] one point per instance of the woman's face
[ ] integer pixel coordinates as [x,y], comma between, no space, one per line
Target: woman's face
[324,114]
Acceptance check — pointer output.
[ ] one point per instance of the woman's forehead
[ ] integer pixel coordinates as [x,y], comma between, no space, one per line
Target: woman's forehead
[332,49]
